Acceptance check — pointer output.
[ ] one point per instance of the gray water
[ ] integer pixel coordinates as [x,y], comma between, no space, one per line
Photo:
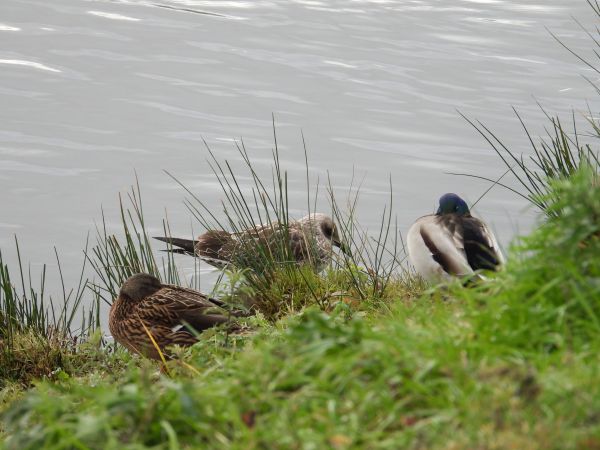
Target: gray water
[92,92]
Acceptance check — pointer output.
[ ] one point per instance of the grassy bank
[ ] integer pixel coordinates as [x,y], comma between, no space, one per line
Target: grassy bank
[511,363]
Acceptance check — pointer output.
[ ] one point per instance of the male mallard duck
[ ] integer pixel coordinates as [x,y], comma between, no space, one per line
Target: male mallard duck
[163,310]
[451,242]
[311,239]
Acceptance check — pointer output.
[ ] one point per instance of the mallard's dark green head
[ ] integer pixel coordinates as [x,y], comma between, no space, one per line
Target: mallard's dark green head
[452,204]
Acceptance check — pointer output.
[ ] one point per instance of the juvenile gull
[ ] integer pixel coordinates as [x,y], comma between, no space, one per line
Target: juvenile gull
[451,242]
[310,240]
[145,305]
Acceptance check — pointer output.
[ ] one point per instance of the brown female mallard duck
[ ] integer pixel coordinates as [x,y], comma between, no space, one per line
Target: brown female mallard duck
[146,306]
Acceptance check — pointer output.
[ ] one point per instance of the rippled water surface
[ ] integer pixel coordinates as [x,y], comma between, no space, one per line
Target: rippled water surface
[91,91]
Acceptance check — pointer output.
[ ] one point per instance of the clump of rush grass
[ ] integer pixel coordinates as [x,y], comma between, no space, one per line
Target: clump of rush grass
[556,157]
[114,260]
[562,152]
[38,337]
[267,257]
[274,283]
[36,334]
[377,260]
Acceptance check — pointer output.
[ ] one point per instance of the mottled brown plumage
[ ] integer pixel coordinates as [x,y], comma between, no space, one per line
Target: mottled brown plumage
[310,240]
[163,310]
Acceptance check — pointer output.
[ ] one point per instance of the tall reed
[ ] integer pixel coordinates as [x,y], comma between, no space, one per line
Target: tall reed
[562,151]
[114,260]
[558,156]
[249,208]
[35,328]
[26,307]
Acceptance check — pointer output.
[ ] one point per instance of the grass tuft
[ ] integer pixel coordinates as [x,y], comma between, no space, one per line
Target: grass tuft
[272,281]
[114,261]
[35,335]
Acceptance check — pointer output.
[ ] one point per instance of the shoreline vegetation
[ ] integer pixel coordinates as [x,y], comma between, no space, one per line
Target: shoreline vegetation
[361,355]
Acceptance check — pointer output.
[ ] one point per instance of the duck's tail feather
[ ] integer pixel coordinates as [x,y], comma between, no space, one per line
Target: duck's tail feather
[186,246]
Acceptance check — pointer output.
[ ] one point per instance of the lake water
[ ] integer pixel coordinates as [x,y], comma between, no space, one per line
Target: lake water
[92,92]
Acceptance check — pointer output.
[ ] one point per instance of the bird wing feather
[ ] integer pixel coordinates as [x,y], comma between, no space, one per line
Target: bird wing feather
[480,244]
[444,240]
[173,305]
[267,239]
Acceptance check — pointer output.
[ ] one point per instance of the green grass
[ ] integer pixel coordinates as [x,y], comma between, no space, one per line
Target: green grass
[36,336]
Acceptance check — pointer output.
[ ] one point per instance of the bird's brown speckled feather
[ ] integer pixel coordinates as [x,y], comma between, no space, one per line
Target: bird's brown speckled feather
[146,306]
[309,240]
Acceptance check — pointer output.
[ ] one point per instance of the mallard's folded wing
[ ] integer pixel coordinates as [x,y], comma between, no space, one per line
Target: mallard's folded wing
[481,247]
[174,305]
[445,245]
